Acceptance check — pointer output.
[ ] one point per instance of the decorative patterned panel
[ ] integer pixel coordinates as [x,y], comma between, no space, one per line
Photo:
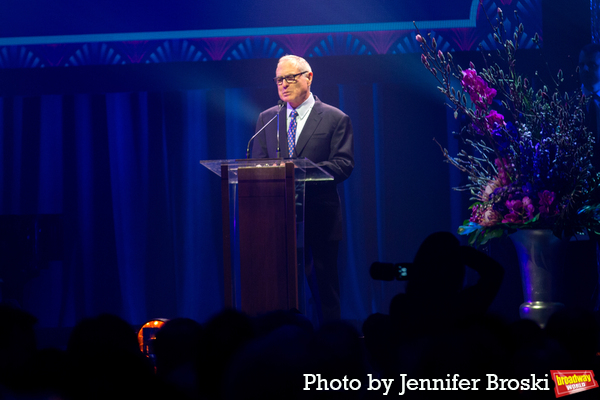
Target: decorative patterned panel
[317,44]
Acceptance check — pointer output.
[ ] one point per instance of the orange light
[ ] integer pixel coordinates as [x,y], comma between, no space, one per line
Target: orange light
[147,335]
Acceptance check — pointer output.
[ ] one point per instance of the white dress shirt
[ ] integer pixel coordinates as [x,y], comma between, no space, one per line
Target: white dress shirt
[303,110]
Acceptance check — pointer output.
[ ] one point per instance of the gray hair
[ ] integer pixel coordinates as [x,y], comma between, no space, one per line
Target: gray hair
[300,62]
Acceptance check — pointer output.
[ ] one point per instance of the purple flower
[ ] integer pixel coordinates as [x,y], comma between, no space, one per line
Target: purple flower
[481,95]
[515,206]
[494,120]
[512,218]
[547,206]
[474,216]
[520,211]
[528,208]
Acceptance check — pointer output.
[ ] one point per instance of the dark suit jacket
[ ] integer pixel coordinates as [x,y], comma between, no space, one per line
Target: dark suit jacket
[326,140]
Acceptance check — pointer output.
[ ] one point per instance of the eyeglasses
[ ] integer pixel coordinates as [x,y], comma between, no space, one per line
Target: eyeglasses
[288,78]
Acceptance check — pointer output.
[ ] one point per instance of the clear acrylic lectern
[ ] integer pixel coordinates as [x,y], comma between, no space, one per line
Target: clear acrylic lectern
[262,204]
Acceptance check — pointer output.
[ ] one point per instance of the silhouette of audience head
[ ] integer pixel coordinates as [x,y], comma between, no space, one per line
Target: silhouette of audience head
[234,356]
[17,343]
[271,321]
[269,366]
[437,310]
[177,352]
[336,350]
[379,341]
[177,343]
[105,332]
[225,334]
[438,268]
[105,349]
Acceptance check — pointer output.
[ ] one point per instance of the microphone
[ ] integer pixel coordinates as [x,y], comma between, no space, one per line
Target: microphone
[280,103]
[388,271]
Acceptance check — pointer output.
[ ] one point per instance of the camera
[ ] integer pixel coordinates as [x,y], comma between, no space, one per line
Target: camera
[389,271]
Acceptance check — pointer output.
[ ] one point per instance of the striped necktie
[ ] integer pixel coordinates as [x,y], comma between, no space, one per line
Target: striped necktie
[292,133]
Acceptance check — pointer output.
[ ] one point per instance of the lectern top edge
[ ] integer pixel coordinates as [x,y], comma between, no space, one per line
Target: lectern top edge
[306,169]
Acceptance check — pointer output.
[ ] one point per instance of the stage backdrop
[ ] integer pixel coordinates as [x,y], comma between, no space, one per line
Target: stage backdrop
[142,216]
[106,111]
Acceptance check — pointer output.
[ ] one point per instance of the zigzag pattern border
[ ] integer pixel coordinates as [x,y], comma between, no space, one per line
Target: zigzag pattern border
[270,46]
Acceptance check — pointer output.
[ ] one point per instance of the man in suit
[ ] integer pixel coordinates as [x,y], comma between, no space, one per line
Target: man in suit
[321,133]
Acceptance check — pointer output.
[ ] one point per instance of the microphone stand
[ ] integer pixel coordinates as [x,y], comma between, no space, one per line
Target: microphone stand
[278,152]
[280,103]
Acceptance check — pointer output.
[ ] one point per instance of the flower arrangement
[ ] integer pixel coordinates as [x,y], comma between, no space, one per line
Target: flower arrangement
[530,160]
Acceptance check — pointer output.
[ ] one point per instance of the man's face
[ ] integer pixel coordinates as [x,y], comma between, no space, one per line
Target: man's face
[589,71]
[294,93]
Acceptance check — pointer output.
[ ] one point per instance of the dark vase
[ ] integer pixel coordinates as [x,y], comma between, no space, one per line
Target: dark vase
[541,259]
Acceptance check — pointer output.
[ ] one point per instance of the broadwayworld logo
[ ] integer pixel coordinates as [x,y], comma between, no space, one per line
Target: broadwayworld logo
[569,382]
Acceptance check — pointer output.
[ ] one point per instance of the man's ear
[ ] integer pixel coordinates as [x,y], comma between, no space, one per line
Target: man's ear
[309,76]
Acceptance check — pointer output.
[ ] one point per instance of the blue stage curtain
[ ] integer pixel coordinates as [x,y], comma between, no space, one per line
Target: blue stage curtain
[142,217]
